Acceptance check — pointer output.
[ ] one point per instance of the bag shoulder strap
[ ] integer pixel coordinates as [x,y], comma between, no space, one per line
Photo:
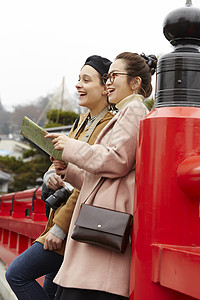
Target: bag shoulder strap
[81,125]
[76,123]
[97,187]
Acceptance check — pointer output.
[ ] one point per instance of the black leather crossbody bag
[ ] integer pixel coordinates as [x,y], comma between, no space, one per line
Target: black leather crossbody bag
[103,227]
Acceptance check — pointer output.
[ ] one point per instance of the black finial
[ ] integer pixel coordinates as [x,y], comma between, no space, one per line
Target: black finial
[188,3]
[182,26]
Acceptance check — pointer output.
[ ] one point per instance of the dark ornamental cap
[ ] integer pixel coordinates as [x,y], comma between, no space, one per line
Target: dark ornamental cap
[182,25]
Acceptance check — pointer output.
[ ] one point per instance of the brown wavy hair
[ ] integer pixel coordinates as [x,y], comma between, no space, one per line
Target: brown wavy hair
[137,65]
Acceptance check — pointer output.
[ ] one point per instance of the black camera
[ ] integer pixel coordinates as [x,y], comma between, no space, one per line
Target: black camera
[57,198]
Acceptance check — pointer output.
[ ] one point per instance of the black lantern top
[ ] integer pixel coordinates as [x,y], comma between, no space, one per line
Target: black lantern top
[182,26]
[178,72]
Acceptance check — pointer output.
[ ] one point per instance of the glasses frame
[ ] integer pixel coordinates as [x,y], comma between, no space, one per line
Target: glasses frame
[111,76]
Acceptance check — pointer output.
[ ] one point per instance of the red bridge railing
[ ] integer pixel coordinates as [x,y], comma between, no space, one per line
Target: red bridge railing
[22,220]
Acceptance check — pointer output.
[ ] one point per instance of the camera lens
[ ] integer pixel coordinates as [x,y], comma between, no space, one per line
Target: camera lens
[60,196]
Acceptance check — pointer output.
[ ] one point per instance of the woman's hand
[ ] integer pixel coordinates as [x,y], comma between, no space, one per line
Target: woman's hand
[59,140]
[59,166]
[55,182]
[52,242]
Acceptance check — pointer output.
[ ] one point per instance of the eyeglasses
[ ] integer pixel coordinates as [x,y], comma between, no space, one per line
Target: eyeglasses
[111,76]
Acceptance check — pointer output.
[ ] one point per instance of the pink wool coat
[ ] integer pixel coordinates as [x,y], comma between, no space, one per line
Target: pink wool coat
[113,157]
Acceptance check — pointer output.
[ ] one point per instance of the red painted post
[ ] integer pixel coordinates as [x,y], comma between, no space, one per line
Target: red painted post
[165,218]
[166,245]
[22,243]
[5,236]
[6,203]
[39,207]
[13,240]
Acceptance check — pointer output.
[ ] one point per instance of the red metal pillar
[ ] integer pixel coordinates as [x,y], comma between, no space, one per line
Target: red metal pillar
[166,220]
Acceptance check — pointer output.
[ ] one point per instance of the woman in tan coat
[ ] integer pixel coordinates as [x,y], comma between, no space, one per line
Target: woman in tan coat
[88,271]
[46,254]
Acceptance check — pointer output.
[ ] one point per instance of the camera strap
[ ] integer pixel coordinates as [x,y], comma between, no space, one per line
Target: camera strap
[92,126]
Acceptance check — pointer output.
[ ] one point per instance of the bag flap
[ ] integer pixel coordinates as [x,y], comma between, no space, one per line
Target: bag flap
[103,220]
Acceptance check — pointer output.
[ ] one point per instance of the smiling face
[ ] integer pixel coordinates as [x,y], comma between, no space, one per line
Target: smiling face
[92,94]
[120,88]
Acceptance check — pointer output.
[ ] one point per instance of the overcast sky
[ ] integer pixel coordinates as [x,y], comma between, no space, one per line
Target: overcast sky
[44,40]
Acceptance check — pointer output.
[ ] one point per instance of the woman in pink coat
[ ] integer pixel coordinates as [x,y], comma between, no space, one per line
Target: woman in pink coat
[88,271]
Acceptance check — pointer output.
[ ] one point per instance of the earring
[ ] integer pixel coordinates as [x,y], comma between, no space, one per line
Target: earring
[135,90]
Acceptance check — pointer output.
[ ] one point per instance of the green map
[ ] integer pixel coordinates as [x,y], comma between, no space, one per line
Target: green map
[36,134]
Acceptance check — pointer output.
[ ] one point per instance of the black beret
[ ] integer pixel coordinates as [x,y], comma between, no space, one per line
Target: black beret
[100,64]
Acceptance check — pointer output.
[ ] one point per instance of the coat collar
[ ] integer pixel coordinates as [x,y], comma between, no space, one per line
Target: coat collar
[129,99]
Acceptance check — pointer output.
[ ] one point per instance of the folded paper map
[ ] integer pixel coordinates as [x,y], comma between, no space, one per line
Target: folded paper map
[36,134]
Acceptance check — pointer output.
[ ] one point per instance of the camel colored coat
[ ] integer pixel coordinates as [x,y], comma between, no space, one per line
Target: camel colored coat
[113,157]
[62,216]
